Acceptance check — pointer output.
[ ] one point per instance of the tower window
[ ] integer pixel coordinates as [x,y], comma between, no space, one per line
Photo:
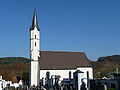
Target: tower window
[35,36]
[35,43]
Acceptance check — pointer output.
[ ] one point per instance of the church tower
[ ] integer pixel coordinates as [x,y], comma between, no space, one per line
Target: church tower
[34,51]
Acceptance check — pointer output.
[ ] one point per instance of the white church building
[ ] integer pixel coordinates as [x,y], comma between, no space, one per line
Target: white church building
[56,62]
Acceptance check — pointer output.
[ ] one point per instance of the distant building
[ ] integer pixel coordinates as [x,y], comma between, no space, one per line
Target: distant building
[4,84]
[56,62]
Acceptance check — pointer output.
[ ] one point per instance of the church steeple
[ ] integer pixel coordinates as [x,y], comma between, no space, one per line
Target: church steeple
[34,21]
[34,51]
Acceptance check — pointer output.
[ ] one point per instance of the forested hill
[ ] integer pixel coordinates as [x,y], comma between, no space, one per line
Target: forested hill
[11,60]
[110,59]
[14,68]
[105,65]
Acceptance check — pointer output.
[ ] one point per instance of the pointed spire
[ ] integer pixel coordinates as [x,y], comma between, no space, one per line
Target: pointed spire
[34,21]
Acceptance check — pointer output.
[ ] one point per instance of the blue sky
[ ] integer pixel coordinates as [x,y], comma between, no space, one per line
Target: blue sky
[90,26]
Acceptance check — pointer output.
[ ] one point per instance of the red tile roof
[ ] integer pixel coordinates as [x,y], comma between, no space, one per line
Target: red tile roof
[59,60]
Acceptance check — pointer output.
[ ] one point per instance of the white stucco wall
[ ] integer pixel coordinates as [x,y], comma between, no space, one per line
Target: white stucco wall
[34,73]
[85,69]
[34,38]
[34,54]
[61,73]
[65,73]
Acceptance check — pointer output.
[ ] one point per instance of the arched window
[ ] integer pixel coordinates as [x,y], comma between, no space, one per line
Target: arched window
[35,36]
[87,74]
[47,75]
[35,43]
[70,74]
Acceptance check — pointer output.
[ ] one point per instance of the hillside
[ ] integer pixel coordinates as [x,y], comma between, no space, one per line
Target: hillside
[16,68]
[105,65]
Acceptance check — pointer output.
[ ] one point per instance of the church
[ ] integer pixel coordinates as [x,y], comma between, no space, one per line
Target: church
[56,62]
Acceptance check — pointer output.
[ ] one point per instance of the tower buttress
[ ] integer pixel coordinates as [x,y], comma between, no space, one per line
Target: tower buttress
[34,51]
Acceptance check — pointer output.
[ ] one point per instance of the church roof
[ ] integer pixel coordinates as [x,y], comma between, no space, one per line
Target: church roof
[58,60]
[34,21]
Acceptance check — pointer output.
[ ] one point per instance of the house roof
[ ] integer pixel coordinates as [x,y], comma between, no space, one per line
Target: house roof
[58,60]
